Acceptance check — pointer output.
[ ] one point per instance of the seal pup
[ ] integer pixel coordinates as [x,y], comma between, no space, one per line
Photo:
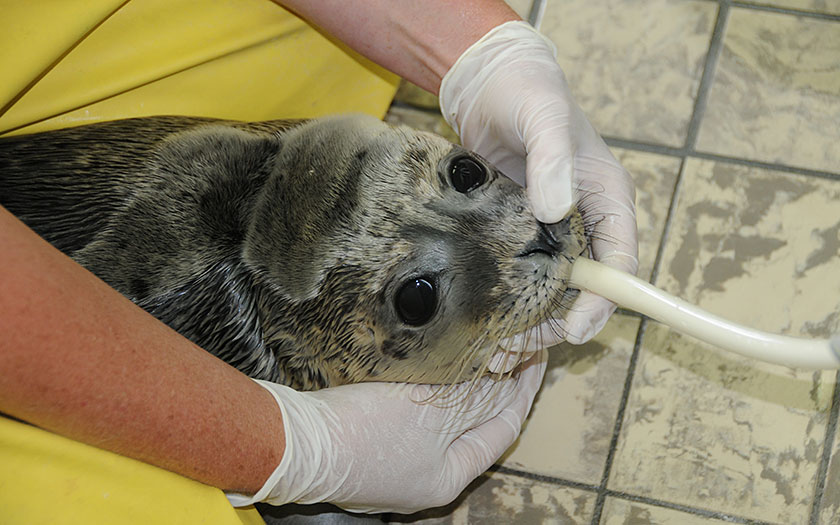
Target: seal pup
[310,253]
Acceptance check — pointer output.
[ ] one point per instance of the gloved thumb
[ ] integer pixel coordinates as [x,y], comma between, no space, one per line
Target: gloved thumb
[549,166]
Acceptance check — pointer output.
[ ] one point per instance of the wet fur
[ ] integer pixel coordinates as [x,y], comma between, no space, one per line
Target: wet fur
[279,246]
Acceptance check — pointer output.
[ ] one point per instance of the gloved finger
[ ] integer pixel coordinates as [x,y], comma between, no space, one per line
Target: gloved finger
[606,199]
[587,317]
[549,163]
[477,449]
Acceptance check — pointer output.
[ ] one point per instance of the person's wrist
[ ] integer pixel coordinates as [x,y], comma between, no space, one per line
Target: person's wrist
[274,428]
[483,21]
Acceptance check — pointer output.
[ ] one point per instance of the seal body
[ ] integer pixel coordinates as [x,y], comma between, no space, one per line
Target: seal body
[311,253]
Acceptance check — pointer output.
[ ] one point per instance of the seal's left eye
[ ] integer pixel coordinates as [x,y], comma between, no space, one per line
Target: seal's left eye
[466,174]
[416,301]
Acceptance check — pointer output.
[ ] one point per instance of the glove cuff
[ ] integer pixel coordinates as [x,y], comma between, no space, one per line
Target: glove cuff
[455,96]
[241,500]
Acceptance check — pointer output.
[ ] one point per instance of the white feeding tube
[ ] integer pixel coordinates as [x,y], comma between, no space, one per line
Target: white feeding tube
[633,293]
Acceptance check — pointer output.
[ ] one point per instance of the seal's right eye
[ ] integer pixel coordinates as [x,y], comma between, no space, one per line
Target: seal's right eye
[466,174]
[416,300]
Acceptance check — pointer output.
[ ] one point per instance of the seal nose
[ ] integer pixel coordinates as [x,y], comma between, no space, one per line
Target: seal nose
[549,239]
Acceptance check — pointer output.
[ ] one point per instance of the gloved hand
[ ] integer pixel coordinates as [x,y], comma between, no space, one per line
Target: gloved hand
[508,100]
[377,447]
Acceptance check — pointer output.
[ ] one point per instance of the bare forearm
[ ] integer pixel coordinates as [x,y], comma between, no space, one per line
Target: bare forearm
[418,40]
[79,359]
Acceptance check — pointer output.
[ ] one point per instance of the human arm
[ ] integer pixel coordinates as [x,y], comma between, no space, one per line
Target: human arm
[416,40]
[79,359]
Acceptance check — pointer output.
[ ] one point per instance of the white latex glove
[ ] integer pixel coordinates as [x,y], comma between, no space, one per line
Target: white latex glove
[376,447]
[508,100]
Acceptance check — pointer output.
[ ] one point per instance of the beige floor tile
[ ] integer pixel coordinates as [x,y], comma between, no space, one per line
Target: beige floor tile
[502,498]
[655,177]
[634,66]
[710,429]
[776,92]
[816,6]
[623,512]
[569,431]
[759,246]
[422,120]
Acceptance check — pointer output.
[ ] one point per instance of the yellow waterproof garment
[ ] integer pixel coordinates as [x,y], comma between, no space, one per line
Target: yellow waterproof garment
[72,62]
[48,479]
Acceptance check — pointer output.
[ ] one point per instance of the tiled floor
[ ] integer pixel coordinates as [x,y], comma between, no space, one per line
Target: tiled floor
[728,116]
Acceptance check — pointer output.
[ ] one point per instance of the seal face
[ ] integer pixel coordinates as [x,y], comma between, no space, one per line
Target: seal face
[311,253]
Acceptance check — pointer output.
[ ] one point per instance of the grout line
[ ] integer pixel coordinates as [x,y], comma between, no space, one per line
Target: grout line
[706,79]
[619,422]
[535,15]
[666,231]
[684,152]
[767,165]
[587,487]
[631,368]
[645,146]
[786,11]
[630,313]
[828,445]
[501,469]
[685,508]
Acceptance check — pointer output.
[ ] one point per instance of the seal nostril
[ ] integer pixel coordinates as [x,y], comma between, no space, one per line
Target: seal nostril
[548,240]
[547,233]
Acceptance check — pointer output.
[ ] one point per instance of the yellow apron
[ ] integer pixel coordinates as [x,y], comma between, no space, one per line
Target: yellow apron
[68,63]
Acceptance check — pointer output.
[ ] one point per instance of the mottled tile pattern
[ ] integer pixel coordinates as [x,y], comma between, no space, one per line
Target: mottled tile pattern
[816,6]
[776,92]
[569,431]
[711,429]
[634,66]
[622,512]
[502,498]
[717,432]
[760,247]
[655,177]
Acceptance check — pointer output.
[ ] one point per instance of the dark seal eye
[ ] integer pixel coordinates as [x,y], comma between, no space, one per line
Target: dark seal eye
[466,174]
[416,301]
